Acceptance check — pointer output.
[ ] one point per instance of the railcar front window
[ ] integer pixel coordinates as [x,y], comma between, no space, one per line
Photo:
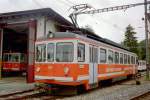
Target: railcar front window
[41,53]
[102,55]
[110,56]
[64,52]
[50,52]
[81,52]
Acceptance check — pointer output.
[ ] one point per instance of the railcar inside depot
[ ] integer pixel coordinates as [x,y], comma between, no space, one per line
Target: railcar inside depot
[14,49]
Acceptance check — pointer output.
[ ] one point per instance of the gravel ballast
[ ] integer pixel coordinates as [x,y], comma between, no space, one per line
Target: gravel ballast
[124,91]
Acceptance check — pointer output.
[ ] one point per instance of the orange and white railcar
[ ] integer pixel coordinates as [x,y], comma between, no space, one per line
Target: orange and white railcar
[14,62]
[71,59]
[141,65]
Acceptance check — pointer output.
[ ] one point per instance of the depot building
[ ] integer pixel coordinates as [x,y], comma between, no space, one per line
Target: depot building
[19,31]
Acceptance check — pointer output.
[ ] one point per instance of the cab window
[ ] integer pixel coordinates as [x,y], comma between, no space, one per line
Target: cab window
[64,52]
[103,55]
[50,52]
[41,53]
[81,52]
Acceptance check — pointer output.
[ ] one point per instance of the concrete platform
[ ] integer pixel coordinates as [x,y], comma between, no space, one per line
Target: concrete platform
[14,84]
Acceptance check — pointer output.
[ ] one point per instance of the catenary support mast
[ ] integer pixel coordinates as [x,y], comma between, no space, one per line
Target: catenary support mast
[146,40]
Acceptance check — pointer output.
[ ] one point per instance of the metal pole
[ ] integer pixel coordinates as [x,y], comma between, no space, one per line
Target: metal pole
[1,49]
[146,40]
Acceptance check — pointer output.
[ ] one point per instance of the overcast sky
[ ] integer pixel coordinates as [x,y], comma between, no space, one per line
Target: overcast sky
[109,25]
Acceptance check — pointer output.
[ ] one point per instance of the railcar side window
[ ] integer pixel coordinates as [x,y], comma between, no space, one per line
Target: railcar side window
[5,57]
[103,55]
[110,56]
[121,58]
[64,52]
[125,59]
[129,59]
[22,57]
[132,60]
[81,52]
[116,57]
[136,60]
[14,58]
[50,52]
[95,55]
[41,53]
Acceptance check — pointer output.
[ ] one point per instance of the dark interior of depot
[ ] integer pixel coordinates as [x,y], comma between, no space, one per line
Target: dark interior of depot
[15,41]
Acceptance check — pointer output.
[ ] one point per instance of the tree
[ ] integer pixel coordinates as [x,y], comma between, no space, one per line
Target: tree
[142,53]
[142,50]
[130,40]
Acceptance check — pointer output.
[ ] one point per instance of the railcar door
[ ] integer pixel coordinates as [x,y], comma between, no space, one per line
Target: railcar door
[93,57]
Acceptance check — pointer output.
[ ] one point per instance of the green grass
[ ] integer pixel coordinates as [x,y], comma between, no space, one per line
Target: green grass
[147,78]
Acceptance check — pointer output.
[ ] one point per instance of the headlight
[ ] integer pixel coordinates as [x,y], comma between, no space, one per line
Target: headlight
[66,70]
[37,69]
[50,34]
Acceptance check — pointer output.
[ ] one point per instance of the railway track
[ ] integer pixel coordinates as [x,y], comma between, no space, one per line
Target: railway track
[18,95]
[30,95]
[143,96]
[34,93]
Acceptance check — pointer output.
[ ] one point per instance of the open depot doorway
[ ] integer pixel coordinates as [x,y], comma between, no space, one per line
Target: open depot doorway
[14,50]
[18,51]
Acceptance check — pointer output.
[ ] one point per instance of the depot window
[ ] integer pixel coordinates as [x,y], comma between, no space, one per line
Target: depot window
[41,53]
[121,58]
[125,59]
[110,56]
[81,52]
[50,52]
[64,52]
[103,55]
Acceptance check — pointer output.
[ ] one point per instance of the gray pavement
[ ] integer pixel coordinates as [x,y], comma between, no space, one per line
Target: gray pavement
[14,84]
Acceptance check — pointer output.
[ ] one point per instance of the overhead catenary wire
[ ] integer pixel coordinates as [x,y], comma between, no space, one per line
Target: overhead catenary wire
[69,4]
[109,23]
